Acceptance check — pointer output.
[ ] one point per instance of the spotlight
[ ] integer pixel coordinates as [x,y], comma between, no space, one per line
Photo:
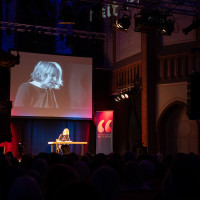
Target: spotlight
[123,21]
[168,28]
[116,99]
[126,95]
[122,96]
[148,21]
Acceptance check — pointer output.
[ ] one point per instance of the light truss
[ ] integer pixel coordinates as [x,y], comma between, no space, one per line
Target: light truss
[183,7]
[17,27]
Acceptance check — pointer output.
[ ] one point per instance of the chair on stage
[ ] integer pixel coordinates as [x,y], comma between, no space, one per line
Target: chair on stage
[64,148]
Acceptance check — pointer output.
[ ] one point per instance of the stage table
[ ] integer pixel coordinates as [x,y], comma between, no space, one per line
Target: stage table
[68,142]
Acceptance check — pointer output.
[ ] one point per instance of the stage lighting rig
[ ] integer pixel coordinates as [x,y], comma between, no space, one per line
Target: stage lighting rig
[123,95]
[128,92]
[154,21]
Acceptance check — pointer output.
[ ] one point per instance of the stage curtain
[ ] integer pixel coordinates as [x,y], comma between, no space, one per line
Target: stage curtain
[35,134]
[127,124]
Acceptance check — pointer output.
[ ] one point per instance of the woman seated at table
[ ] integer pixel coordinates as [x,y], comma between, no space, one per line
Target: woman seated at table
[64,136]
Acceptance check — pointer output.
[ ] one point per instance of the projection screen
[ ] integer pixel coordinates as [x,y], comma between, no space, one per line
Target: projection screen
[45,85]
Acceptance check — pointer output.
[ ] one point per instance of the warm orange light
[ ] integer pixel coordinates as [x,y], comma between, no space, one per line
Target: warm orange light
[107,126]
[100,127]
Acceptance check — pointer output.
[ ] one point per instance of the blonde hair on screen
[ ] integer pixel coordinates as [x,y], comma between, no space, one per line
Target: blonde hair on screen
[43,68]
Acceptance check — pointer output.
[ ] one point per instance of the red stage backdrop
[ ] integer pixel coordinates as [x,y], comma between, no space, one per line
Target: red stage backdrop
[104,132]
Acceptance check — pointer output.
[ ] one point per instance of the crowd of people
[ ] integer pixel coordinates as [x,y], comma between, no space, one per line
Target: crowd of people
[50,176]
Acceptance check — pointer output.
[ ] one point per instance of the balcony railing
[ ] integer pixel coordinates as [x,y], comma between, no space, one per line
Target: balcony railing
[125,77]
[176,68]
[172,68]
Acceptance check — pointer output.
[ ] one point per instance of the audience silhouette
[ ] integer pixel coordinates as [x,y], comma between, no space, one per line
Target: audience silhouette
[25,187]
[98,176]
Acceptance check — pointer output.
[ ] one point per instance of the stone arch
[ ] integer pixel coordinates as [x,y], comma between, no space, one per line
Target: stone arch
[169,104]
[175,132]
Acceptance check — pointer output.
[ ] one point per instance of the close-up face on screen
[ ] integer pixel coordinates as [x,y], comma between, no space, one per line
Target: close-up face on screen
[45,85]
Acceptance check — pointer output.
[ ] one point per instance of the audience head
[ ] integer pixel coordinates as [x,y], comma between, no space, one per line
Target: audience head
[148,169]
[183,180]
[58,177]
[100,177]
[133,176]
[34,174]
[129,156]
[41,166]
[83,170]
[106,180]
[10,175]
[23,188]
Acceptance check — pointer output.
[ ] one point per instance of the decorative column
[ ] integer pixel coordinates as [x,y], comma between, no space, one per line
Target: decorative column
[149,49]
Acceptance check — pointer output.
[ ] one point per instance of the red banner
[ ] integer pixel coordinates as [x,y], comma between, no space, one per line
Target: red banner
[104,132]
